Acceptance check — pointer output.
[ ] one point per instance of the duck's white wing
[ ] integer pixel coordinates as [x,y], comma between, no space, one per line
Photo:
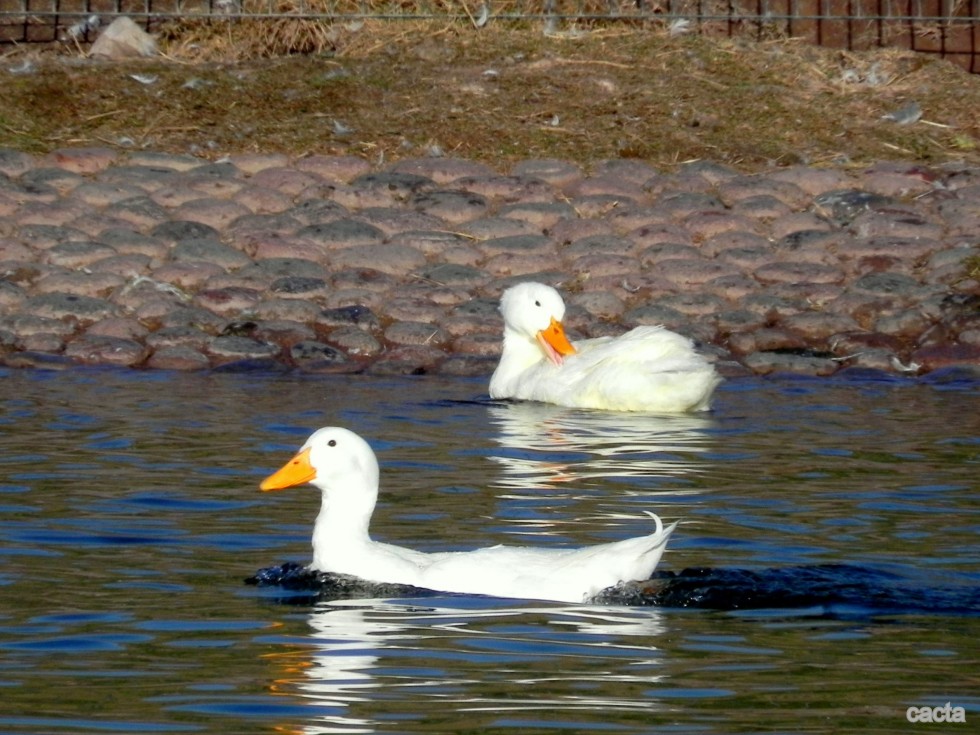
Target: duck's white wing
[567,575]
[646,369]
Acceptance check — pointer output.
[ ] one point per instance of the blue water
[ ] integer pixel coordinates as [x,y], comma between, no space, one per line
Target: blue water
[130,518]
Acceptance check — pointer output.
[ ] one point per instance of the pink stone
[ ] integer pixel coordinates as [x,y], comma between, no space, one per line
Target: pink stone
[560,174]
[100,194]
[815,326]
[119,327]
[601,304]
[705,224]
[101,350]
[81,160]
[263,199]
[814,181]
[127,266]
[478,343]
[288,181]
[508,188]
[98,285]
[173,196]
[251,163]
[227,301]
[285,247]
[656,234]
[442,170]
[216,213]
[187,275]
[694,272]
[13,250]
[512,264]
[488,228]
[796,272]
[606,185]
[604,265]
[283,309]
[572,229]
[58,212]
[333,168]
[796,222]
[740,188]
[387,258]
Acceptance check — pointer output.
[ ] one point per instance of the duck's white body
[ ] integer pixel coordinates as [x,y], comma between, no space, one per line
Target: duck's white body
[345,469]
[647,369]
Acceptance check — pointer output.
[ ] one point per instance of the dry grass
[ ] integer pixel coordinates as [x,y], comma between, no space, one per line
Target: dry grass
[387,90]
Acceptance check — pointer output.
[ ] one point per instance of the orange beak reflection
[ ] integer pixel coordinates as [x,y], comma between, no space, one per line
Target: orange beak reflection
[296,471]
[554,342]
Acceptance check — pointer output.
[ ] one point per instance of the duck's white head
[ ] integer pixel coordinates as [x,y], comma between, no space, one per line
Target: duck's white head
[333,459]
[534,312]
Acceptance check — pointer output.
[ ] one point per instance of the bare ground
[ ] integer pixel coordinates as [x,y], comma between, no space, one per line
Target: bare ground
[498,94]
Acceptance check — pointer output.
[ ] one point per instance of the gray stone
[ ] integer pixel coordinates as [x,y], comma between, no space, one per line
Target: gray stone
[359,316]
[140,210]
[451,205]
[399,185]
[450,274]
[105,350]
[63,305]
[776,362]
[342,233]
[178,357]
[317,211]
[209,250]
[235,347]
[354,341]
[178,230]
[517,244]
[843,205]
[310,354]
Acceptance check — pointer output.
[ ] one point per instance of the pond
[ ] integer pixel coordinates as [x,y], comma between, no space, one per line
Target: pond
[835,521]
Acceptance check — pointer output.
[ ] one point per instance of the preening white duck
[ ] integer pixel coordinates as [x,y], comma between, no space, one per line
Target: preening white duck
[345,469]
[647,369]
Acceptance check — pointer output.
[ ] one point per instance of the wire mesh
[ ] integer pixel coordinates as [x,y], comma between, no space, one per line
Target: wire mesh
[948,28]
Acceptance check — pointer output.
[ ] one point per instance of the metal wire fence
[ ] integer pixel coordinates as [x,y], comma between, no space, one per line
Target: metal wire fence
[947,28]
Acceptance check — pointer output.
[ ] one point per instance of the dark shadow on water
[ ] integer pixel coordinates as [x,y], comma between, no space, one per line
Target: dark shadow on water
[843,590]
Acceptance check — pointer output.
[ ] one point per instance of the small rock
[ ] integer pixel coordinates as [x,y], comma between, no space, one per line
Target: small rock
[313,356]
[96,349]
[123,39]
[354,341]
[764,363]
[178,357]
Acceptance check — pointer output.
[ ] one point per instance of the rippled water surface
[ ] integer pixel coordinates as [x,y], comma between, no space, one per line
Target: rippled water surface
[130,516]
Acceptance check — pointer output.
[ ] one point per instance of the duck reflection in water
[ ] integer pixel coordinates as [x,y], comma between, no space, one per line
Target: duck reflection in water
[365,657]
[546,446]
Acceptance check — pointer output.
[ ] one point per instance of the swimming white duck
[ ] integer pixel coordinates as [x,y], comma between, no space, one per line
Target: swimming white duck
[344,467]
[647,369]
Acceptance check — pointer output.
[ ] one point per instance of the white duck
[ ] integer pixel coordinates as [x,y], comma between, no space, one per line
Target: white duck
[343,466]
[647,369]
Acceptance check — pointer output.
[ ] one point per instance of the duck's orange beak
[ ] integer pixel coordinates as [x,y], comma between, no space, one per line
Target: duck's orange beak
[554,342]
[295,472]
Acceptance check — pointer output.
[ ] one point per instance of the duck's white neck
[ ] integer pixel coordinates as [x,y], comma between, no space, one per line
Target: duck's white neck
[518,354]
[342,524]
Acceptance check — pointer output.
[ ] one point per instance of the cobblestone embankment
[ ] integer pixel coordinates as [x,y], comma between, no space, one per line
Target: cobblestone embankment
[319,263]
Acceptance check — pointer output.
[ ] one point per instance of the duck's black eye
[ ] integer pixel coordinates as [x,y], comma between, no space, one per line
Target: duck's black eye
[537,303]
[332,443]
